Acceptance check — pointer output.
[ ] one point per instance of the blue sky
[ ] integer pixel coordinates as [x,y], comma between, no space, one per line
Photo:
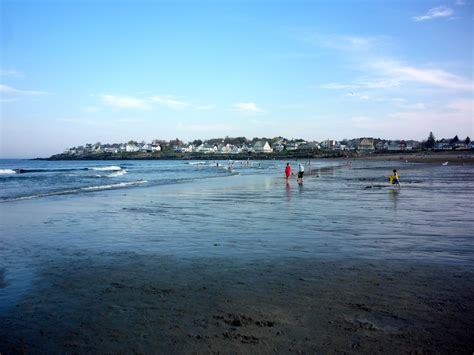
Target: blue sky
[74,72]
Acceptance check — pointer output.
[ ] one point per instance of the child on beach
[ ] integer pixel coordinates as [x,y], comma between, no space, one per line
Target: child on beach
[394,178]
[287,171]
[300,173]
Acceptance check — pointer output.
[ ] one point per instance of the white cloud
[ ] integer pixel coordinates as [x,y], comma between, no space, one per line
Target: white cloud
[9,90]
[170,102]
[124,102]
[436,12]
[247,107]
[460,2]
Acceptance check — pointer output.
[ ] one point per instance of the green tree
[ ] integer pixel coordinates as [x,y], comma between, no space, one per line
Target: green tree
[430,142]
[455,139]
[467,140]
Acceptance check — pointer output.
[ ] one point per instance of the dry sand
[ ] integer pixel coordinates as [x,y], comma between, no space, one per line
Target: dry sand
[156,304]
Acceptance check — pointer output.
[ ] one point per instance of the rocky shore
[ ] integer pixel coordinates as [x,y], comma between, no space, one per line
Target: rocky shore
[457,157]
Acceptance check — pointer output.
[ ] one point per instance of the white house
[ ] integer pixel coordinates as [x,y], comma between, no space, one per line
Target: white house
[155,148]
[206,148]
[262,147]
[278,147]
[132,148]
[329,144]
[225,149]
[292,146]
[366,145]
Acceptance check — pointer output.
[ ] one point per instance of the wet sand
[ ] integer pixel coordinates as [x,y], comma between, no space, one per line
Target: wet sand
[132,303]
[452,157]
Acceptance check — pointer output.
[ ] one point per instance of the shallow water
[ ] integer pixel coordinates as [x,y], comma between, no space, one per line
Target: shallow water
[65,211]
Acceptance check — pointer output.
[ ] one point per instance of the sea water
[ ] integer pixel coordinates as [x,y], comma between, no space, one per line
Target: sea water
[65,210]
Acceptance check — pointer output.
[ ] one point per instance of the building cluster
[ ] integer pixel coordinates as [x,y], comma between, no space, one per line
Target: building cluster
[278,144]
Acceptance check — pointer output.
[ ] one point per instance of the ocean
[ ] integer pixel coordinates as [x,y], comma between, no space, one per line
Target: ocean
[53,210]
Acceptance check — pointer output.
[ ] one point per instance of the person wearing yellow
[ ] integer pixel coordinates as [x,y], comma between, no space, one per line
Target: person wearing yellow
[394,179]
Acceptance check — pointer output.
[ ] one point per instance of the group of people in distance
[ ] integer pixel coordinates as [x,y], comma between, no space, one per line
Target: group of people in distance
[300,172]
[394,179]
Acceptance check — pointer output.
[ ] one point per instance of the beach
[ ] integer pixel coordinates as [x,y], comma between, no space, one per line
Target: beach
[457,157]
[243,263]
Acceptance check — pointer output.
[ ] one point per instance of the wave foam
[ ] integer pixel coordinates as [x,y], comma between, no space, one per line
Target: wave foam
[108,168]
[7,171]
[118,173]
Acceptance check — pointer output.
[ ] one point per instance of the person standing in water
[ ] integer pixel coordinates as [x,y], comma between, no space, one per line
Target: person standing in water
[287,171]
[394,179]
[300,173]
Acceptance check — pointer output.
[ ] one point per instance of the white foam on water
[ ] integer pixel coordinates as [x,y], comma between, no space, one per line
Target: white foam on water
[108,168]
[118,173]
[7,171]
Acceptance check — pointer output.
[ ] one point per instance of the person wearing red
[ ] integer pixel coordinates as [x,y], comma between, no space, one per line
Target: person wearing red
[287,171]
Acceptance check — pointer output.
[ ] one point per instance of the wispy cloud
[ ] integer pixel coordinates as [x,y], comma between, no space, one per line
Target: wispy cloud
[124,102]
[9,90]
[170,102]
[247,107]
[435,12]
[11,73]
[339,42]
[435,77]
[205,107]
[460,2]
[463,105]
[392,74]
[91,109]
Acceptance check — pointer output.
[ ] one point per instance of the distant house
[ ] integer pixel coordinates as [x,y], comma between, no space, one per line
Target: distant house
[329,144]
[207,148]
[155,148]
[443,145]
[380,145]
[187,149]
[366,145]
[393,146]
[310,146]
[413,145]
[292,146]
[471,145]
[262,147]
[146,148]
[225,148]
[132,148]
[278,147]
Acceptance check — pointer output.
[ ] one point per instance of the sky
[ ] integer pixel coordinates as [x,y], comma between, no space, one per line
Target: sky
[75,72]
